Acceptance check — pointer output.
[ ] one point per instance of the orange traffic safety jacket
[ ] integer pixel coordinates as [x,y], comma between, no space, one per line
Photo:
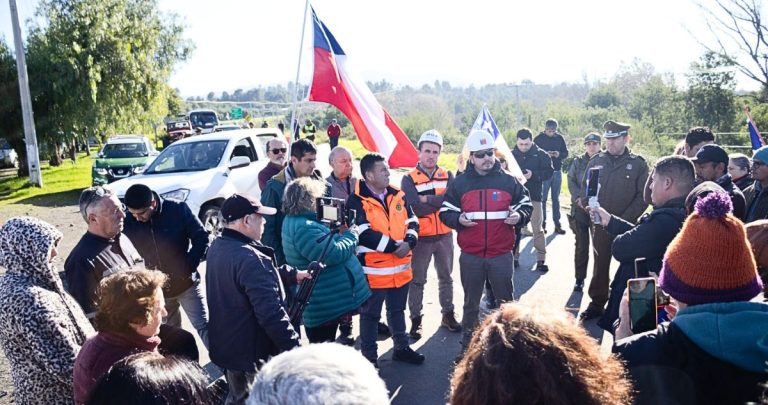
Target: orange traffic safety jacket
[383,225]
[430,224]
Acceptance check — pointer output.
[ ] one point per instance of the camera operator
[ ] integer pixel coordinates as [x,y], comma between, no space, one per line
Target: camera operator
[341,287]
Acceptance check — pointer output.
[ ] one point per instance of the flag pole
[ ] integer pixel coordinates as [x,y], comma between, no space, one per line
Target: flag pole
[298,69]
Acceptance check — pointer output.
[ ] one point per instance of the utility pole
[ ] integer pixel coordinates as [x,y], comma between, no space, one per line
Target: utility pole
[33,158]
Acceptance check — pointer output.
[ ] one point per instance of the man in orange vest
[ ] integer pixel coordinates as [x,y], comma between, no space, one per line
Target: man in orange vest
[424,188]
[388,232]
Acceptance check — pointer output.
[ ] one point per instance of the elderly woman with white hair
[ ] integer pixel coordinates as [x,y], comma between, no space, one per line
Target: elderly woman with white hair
[319,374]
[41,326]
[341,287]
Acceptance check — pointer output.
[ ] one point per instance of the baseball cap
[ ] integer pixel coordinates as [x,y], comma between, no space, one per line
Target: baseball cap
[592,137]
[238,206]
[711,153]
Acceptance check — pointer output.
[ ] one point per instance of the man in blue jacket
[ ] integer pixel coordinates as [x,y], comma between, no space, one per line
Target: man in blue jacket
[246,294]
[171,239]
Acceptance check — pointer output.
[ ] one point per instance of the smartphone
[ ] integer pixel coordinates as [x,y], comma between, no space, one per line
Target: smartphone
[641,268]
[642,304]
[593,181]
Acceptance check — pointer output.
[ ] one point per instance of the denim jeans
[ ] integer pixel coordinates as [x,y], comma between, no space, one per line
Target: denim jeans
[555,184]
[370,313]
[194,305]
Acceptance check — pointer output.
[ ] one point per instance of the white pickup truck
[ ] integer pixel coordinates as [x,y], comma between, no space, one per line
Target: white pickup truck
[204,170]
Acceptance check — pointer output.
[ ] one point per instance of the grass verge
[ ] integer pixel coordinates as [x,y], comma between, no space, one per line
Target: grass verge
[61,185]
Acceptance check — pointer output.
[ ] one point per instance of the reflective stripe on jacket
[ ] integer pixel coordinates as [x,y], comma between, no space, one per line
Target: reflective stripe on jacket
[382,226]
[431,225]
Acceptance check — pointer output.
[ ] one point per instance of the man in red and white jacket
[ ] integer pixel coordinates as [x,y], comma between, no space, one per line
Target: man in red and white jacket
[483,205]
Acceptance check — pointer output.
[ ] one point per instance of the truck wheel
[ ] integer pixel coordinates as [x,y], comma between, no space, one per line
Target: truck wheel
[209,216]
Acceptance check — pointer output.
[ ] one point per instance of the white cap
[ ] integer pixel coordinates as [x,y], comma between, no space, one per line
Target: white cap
[479,139]
[431,136]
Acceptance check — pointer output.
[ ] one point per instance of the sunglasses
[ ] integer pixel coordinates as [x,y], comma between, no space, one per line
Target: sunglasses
[92,195]
[278,150]
[483,153]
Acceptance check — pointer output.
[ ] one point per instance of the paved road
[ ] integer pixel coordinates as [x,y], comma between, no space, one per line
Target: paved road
[429,383]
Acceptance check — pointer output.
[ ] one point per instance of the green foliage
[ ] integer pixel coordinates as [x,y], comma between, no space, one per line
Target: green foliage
[710,98]
[62,184]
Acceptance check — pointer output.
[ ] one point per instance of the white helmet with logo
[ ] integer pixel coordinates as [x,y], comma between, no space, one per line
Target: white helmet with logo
[479,139]
[431,136]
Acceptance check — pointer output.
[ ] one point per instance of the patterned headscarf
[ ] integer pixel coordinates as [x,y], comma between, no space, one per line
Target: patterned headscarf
[25,245]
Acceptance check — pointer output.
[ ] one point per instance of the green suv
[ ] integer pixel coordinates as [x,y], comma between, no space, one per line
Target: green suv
[122,156]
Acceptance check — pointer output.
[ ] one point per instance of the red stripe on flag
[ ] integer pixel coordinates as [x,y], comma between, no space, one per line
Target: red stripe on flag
[405,154]
[328,87]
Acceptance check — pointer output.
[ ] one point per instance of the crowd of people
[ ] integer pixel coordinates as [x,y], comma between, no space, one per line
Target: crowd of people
[114,334]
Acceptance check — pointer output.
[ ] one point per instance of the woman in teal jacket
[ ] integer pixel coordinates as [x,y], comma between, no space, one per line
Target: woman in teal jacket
[341,287]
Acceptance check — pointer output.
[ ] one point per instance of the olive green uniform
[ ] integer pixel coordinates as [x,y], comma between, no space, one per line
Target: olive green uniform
[622,182]
[578,219]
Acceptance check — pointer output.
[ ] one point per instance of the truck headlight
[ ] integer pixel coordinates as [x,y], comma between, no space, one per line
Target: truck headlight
[177,195]
[101,171]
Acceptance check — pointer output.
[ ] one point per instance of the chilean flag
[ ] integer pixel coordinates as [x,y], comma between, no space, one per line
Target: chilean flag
[754,134]
[332,83]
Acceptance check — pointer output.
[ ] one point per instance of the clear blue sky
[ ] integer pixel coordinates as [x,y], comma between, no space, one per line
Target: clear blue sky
[243,44]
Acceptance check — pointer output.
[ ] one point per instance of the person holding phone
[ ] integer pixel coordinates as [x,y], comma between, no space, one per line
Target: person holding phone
[673,178]
[713,350]
[622,178]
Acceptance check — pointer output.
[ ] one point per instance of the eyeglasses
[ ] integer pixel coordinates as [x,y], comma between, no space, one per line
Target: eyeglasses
[278,150]
[483,153]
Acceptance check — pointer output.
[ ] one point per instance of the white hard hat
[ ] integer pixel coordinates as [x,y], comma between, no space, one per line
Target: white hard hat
[479,139]
[431,136]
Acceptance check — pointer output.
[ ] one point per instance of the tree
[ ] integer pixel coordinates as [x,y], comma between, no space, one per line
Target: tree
[710,98]
[740,37]
[603,96]
[101,67]
[211,96]
[10,106]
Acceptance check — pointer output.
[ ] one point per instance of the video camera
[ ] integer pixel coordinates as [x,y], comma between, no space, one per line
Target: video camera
[334,212]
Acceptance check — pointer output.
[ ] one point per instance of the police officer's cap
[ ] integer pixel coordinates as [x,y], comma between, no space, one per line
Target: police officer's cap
[592,137]
[615,129]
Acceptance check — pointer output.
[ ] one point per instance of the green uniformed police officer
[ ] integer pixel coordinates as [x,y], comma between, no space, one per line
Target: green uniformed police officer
[622,180]
[578,218]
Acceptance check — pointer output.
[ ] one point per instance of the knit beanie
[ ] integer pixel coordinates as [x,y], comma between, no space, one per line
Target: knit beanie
[710,260]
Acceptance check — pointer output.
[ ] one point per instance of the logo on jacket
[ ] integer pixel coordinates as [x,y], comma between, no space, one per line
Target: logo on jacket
[399,207]
[629,166]
[495,196]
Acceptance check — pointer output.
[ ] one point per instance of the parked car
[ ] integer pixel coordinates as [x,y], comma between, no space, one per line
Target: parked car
[122,156]
[206,120]
[8,156]
[226,127]
[176,129]
[204,170]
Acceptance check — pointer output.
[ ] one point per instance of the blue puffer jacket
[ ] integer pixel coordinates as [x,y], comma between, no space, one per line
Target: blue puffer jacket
[341,287]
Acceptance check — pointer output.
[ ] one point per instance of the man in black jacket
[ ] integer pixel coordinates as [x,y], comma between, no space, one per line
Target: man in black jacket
[171,239]
[552,143]
[672,180]
[246,293]
[712,165]
[537,168]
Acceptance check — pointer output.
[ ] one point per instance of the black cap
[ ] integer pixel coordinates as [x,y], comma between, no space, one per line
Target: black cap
[711,153]
[138,196]
[592,137]
[615,129]
[238,206]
